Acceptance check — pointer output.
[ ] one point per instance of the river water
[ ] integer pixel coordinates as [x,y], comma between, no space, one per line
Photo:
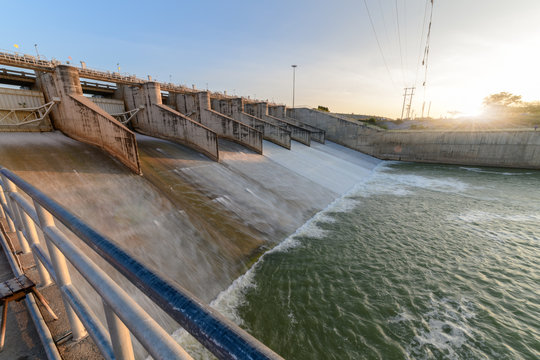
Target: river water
[417,261]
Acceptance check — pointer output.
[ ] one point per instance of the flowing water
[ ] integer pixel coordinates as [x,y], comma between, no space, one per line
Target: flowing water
[418,261]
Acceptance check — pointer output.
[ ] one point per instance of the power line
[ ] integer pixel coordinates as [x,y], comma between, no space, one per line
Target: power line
[426,52]
[387,38]
[420,52]
[399,41]
[420,58]
[404,22]
[379,44]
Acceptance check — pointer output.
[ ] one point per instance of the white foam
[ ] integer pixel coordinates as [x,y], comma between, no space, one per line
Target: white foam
[477,216]
[446,328]
[228,300]
[321,165]
[478,170]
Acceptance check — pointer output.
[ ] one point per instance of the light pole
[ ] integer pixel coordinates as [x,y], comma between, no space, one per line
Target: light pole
[35,45]
[293,82]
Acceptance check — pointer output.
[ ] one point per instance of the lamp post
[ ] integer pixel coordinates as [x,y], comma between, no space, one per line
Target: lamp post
[35,45]
[293,82]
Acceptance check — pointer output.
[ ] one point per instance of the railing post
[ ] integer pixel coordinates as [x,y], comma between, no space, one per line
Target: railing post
[2,212]
[10,188]
[120,336]
[3,199]
[61,269]
[33,239]
[25,247]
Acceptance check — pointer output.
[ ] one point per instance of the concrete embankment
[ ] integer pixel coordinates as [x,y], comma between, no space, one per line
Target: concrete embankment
[200,223]
[498,148]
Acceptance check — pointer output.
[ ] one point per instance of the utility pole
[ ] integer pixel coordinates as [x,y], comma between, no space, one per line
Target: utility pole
[293,82]
[410,103]
[410,96]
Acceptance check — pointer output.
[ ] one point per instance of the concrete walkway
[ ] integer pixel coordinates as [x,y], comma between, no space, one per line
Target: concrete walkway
[22,340]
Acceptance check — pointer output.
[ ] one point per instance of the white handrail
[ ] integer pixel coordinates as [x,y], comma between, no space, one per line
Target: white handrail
[124,315]
[223,338]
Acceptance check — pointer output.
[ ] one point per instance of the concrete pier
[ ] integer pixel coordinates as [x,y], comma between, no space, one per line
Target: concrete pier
[234,108]
[158,120]
[260,110]
[278,111]
[79,118]
[197,106]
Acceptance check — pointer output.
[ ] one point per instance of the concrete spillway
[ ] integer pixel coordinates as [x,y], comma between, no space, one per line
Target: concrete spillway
[199,222]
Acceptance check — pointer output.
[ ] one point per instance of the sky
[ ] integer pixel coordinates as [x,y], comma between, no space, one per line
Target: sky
[247,48]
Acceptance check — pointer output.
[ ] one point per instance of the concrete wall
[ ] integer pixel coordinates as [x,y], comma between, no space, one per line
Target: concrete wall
[18,99]
[163,122]
[260,110]
[234,108]
[197,106]
[78,117]
[111,106]
[498,148]
[279,112]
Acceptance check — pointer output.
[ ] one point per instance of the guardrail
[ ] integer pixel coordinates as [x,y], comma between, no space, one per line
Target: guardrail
[27,61]
[97,86]
[16,73]
[123,316]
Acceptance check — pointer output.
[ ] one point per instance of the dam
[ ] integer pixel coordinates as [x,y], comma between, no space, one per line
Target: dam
[196,185]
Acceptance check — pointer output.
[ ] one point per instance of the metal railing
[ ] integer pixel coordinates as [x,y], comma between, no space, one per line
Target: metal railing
[28,115]
[37,219]
[98,86]
[27,61]
[31,62]
[17,74]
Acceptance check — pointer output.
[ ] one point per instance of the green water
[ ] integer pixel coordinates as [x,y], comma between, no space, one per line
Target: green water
[421,261]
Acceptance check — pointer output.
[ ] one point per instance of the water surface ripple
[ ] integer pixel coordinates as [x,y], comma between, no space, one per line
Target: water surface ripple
[430,262]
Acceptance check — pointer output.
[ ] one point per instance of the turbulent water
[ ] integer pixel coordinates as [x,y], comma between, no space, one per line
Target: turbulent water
[419,261]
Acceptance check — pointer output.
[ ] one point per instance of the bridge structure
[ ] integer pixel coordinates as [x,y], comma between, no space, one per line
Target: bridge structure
[188,116]
[106,110]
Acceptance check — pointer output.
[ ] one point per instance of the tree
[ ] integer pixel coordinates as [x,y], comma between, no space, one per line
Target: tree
[322,108]
[502,99]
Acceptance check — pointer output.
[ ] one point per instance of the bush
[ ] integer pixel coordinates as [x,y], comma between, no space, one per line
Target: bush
[322,108]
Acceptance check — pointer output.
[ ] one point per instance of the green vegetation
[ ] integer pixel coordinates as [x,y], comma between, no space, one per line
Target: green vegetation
[322,108]
[371,121]
[374,122]
[505,103]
